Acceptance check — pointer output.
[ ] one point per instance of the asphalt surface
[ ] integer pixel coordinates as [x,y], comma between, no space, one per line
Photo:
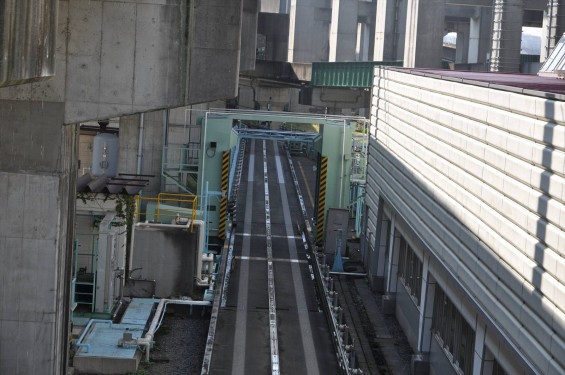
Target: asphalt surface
[243,343]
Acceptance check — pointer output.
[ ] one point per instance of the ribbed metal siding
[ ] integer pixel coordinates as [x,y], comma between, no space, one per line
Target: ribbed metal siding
[346,74]
[483,188]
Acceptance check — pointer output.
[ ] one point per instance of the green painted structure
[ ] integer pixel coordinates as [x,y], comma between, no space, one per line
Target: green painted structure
[221,132]
[346,74]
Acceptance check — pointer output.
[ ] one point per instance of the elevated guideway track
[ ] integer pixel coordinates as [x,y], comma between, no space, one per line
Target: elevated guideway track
[270,319]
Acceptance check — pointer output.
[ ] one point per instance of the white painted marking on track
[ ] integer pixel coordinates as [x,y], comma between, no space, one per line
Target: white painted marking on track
[279,168]
[274,259]
[264,235]
[251,167]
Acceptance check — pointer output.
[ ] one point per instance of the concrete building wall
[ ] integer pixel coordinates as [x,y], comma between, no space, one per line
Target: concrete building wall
[477,174]
[37,178]
[168,257]
[27,40]
[112,58]
[116,58]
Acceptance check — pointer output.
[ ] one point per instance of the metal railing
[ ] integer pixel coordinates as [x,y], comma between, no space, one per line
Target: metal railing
[187,205]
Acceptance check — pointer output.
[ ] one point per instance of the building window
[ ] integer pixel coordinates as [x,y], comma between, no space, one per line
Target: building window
[453,333]
[497,369]
[410,270]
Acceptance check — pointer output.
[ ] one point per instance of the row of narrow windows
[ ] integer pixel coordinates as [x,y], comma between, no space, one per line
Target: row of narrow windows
[453,332]
[450,328]
[410,270]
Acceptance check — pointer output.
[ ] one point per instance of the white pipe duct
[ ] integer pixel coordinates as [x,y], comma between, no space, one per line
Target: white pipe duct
[147,339]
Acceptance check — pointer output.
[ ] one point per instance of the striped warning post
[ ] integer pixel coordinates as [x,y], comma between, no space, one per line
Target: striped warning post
[224,189]
[321,201]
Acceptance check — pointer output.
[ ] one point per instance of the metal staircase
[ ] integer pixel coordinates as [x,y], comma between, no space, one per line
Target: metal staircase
[180,168]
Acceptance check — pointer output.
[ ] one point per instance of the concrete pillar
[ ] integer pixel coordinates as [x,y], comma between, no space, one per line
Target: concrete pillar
[426,308]
[390,30]
[308,32]
[506,36]
[480,31]
[343,30]
[377,261]
[27,33]
[392,264]
[462,45]
[249,35]
[480,352]
[38,168]
[424,33]
[362,48]
[553,27]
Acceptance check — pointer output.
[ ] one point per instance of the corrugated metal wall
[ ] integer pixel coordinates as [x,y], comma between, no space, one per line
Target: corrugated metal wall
[479,174]
[346,74]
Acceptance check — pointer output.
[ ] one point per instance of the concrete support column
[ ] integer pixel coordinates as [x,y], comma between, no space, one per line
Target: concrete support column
[375,246]
[553,27]
[390,30]
[362,49]
[424,33]
[480,352]
[392,265]
[38,169]
[506,36]
[382,248]
[426,308]
[343,30]
[308,33]
[462,45]
[480,30]
[248,34]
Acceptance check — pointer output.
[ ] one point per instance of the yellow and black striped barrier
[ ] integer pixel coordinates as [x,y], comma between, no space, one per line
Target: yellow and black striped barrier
[321,201]
[224,189]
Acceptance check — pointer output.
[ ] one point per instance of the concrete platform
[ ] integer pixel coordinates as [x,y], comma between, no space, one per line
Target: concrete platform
[98,351]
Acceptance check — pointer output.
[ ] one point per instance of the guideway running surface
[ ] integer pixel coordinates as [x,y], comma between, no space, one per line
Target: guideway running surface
[270,327]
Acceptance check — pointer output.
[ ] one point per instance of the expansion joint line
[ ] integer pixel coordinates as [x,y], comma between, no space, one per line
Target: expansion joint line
[275,366]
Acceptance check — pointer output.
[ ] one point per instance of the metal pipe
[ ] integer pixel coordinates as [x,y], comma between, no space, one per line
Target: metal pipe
[203,158]
[140,146]
[348,273]
[78,343]
[342,164]
[165,155]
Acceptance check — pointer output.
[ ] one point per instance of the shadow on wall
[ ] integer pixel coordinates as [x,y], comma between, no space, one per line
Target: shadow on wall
[414,201]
